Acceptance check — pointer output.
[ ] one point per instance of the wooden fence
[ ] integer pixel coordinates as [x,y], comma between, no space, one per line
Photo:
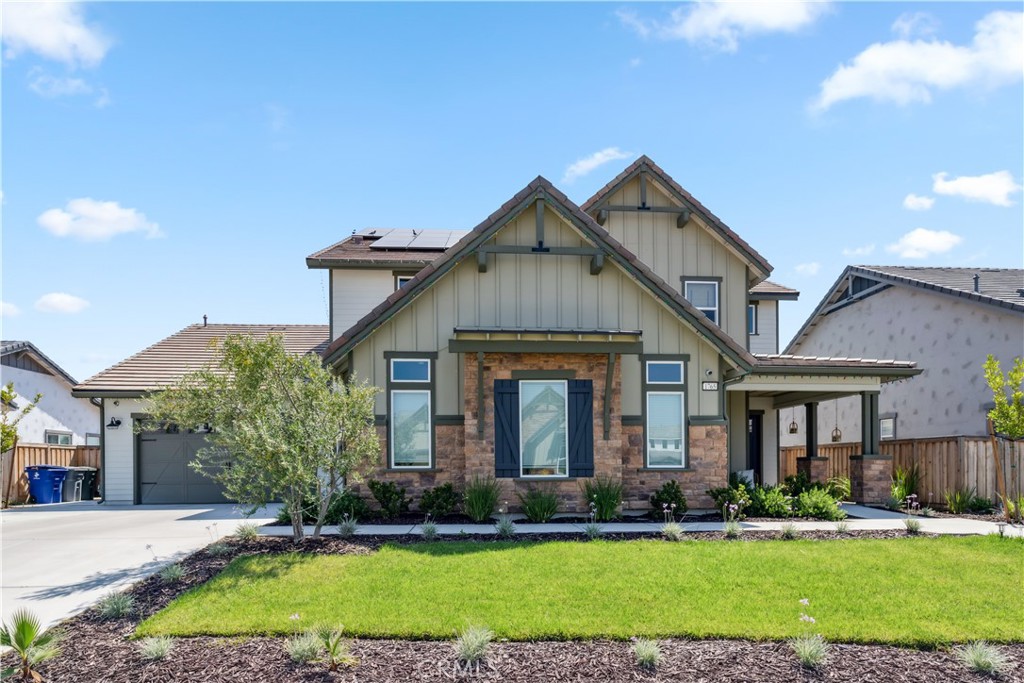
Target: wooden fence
[14,484]
[945,463]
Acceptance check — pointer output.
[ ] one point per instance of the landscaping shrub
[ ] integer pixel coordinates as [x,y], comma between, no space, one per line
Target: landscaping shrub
[735,494]
[156,647]
[539,503]
[247,531]
[818,504]
[172,573]
[304,648]
[958,500]
[983,658]
[429,530]
[481,498]
[440,501]
[839,488]
[769,501]
[733,529]
[30,642]
[647,653]
[842,527]
[605,497]
[789,532]
[593,530]
[905,481]
[672,531]
[115,606]
[505,527]
[811,650]
[218,549]
[472,644]
[982,505]
[391,498]
[335,648]
[669,497]
[797,483]
[347,527]
[913,525]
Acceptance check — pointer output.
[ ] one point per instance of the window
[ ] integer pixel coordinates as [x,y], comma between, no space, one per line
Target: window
[92,439]
[704,296]
[58,438]
[751,318]
[402,280]
[410,410]
[887,427]
[665,413]
[543,428]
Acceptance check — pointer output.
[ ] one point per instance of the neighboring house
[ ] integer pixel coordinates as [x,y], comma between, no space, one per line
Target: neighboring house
[60,419]
[550,344]
[152,467]
[948,319]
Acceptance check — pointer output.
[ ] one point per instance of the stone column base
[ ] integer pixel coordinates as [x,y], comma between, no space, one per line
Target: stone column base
[815,468]
[871,478]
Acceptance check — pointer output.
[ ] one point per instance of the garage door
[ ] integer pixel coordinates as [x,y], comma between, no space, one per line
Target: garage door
[164,474]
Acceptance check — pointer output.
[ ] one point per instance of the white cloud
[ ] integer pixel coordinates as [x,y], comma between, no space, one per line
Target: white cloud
[915,25]
[905,71]
[582,167]
[866,250]
[45,85]
[915,202]
[61,302]
[9,310]
[90,220]
[811,268]
[991,188]
[720,25]
[54,30]
[922,243]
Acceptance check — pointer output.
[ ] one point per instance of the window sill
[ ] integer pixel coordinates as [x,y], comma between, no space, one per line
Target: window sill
[667,469]
[412,469]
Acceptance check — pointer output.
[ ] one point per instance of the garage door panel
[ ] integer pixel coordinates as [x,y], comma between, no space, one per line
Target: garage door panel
[164,474]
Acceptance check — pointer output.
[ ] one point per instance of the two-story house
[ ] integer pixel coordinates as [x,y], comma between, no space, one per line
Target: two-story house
[631,338]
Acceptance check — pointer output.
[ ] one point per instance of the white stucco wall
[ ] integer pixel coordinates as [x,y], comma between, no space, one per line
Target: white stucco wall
[57,411]
[947,338]
[119,449]
[355,293]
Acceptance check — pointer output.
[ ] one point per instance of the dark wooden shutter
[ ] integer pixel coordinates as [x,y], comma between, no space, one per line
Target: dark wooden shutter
[581,428]
[506,428]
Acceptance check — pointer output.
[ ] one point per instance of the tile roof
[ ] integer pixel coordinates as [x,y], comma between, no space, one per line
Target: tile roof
[11,346]
[783,360]
[539,188]
[772,290]
[358,249]
[998,286]
[645,163]
[188,350]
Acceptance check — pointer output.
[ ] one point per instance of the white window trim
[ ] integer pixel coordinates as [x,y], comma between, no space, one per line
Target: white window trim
[705,309]
[97,435]
[757,322]
[647,430]
[682,370]
[391,370]
[565,386]
[58,434]
[887,438]
[391,431]
[402,280]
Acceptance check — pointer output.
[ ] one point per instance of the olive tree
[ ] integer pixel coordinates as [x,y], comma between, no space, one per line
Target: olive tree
[1006,419]
[289,429]
[11,415]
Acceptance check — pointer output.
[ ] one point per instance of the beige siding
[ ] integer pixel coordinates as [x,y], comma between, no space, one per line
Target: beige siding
[536,291]
[736,407]
[766,339]
[673,253]
[355,293]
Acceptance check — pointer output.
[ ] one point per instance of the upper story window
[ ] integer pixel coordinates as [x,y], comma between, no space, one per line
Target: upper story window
[664,372]
[751,318]
[402,280]
[703,294]
[410,370]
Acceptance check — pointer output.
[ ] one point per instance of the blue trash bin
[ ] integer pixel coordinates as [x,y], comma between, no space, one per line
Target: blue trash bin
[45,482]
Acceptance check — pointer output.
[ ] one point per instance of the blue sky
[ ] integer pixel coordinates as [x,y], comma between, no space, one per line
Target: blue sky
[165,161]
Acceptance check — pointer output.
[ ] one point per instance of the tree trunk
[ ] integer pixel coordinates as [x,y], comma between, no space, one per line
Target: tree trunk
[1000,481]
[295,512]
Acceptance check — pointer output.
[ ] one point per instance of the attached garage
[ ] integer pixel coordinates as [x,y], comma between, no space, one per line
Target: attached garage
[164,474]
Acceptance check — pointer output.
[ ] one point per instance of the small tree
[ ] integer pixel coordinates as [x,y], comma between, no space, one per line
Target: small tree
[1006,419]
[290,429]
[12,415]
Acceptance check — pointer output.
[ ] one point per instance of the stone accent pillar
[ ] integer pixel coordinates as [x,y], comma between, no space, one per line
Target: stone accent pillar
[815,468]
[871,478]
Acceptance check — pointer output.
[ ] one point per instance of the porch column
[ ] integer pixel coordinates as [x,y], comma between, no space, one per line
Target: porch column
[870,472]
[816,468]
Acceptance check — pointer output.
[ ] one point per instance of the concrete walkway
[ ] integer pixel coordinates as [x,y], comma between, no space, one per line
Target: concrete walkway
[59,559]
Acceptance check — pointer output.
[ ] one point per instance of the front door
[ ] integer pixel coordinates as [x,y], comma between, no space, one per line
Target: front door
[755,441]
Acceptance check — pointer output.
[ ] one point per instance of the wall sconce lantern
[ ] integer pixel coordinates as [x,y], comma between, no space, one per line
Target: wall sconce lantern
[114,423]
[793,426]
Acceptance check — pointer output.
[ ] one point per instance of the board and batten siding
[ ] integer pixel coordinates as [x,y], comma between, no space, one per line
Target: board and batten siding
[535,291]
[355,293]
[119,450]
[672,253]
[767,338]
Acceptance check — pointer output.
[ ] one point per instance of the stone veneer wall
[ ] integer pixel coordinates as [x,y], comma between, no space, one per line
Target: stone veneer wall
[460,455]
[871,478]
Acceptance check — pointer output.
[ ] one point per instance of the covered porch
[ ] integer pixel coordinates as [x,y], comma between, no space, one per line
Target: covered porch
[780,386]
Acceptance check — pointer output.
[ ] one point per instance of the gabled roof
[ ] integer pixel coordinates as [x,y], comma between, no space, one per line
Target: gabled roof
[767,289]
[540,188]
[11,347]
[188,350]
[999,287]
[645,164]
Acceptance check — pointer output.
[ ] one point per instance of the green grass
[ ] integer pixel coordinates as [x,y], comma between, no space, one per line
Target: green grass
[912,591]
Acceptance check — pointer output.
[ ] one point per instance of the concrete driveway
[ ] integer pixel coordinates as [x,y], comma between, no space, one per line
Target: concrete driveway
[59,559]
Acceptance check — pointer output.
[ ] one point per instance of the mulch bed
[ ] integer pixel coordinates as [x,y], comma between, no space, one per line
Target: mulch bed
[100,650]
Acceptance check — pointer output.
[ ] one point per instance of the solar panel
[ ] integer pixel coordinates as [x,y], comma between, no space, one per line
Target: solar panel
[454,236]
[395,239]
[430,240]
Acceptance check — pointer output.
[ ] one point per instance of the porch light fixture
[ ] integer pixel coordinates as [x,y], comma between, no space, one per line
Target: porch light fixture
[793,426]
[837,434]
[114,423]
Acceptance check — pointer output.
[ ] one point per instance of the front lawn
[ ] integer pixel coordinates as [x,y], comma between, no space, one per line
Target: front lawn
[915,591]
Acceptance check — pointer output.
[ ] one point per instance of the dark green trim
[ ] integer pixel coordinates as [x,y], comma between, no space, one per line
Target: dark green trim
[480,411]
[511,346]
[539,223]
[449,420]
[430,387]
[758,296]
[608,381]
[645,468]
[546,330]
[552,251]
[811,424]
[543,374]
[644,209]
[645,388]
[103,451]
[704,420]
[683,279]
[632,420]
[380,420]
